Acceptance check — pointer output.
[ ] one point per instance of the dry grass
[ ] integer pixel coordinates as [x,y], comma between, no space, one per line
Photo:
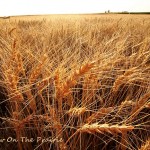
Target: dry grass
[82,81]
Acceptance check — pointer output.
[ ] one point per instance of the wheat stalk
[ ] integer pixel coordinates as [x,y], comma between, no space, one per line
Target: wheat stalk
[100,113]
[70,82]
[76,111]
[139,105]
[101,128]
[37,70]
[64,90]
[123,79]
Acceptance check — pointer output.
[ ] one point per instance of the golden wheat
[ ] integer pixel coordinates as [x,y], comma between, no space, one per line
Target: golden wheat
[80,80]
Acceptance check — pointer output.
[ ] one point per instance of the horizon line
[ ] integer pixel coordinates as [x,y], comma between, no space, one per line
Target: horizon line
[94,13]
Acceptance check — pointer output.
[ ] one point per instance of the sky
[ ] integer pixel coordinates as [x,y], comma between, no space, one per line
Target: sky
[34,7]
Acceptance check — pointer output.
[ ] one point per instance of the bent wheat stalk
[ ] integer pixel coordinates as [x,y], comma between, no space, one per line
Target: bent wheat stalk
[64,90]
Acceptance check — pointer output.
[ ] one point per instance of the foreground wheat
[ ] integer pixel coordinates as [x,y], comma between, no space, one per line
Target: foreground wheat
[78,82]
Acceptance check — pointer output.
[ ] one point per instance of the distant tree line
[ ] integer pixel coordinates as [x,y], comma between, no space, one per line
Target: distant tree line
[126,12]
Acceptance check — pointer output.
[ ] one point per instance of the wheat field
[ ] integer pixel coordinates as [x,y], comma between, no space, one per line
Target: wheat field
[75,82]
